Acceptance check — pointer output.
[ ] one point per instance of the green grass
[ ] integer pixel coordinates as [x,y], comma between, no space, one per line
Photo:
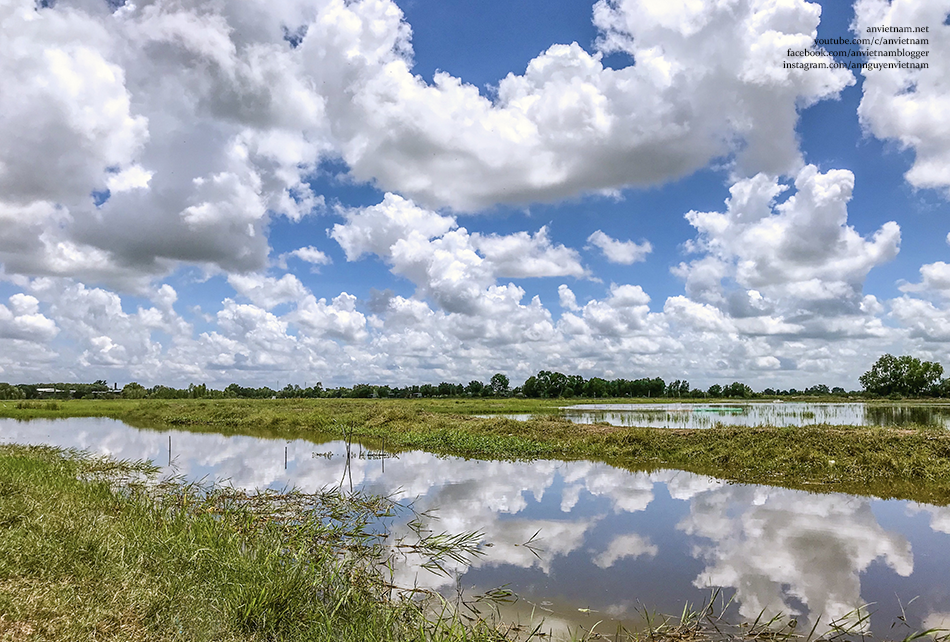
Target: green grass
[90,552]
[83,557]
[885,462]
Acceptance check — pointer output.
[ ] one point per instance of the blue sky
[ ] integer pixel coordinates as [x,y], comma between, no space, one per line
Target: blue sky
[423,191]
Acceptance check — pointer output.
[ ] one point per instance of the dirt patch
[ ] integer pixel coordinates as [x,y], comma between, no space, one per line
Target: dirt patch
[15,631]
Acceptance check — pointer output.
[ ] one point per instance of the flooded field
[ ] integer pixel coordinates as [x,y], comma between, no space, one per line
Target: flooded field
[695,415]
[583,542]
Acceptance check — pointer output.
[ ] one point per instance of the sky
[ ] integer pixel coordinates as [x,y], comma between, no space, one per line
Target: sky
[415,191]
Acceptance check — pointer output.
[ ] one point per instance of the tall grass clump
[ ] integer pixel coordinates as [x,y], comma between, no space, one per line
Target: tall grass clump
[91,549]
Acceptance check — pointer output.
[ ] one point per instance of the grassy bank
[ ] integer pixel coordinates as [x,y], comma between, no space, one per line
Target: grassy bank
[901,463]
[84,559]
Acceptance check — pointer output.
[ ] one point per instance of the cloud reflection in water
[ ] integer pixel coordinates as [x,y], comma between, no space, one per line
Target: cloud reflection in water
[599,528]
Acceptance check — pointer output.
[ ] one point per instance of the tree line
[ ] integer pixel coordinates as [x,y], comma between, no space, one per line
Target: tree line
[890,376]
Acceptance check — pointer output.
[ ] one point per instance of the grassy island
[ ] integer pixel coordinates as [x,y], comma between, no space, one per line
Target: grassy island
[906,463]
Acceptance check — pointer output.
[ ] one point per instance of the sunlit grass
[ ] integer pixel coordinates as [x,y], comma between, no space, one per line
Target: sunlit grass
[93,548]
[88,551]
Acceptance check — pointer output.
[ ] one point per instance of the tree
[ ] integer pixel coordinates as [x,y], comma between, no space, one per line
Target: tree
[575,384]
[197,392]
[597,387]
[905,375]
[499,384]
[365,391]
[290,391]
[679,388]
[737,389]
[8,391]
[551,384]
[530,387]
[133,390]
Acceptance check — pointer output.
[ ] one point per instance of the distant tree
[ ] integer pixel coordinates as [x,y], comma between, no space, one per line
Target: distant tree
[715,390]
[838,390]
[197,392]
[906,376]
[165,392]
[290,391]
[474,388]
[8,391]
[446,389]
[133,390]
[737,389]
[942,389]
[655,387]
[362,391]
[530,387]
[499,384]
[233,390]
[575,383]
[596,387]
[550,384]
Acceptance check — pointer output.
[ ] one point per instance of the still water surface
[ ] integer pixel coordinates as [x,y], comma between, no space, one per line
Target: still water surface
[610,540]
[686,415]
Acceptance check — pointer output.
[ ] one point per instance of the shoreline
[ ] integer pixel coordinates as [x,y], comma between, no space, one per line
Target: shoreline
[901,463]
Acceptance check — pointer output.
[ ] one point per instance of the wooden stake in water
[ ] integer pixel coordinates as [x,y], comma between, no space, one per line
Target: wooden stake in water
[169,450]
[346,468]
[285,457]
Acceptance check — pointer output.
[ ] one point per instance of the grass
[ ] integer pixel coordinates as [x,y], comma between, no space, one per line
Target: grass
[86,554]
[707,623]
[93,549]
[905,463]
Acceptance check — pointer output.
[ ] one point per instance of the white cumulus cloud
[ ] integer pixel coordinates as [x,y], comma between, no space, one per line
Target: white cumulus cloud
[910,106]
[797,262]
[622,252]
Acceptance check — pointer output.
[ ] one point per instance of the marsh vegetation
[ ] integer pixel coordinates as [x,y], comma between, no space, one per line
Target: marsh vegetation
[92,548]
[911,461]
[194,563]
[84,534]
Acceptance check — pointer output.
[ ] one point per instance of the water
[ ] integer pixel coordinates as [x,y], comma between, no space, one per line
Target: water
[687,415]
[608,541]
